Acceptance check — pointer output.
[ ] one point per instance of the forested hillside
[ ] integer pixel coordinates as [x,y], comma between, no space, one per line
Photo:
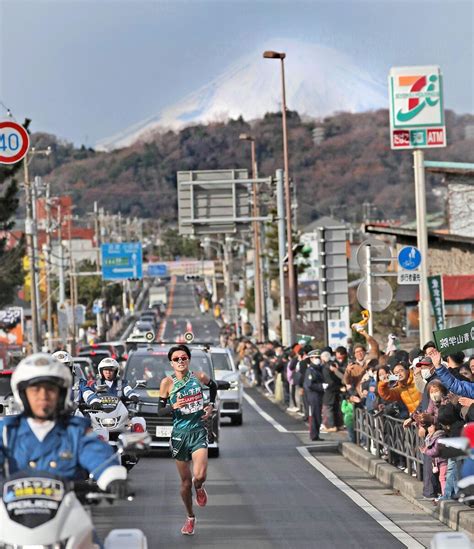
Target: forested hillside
[353,164]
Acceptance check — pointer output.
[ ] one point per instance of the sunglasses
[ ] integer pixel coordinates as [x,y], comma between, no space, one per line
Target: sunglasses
[180,359]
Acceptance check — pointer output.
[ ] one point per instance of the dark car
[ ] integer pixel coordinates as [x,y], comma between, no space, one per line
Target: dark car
[117,349]
[151,363]
[7,404]
[95,354]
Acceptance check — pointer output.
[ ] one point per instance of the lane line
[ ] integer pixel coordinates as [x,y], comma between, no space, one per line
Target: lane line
[264,414]
[378,516]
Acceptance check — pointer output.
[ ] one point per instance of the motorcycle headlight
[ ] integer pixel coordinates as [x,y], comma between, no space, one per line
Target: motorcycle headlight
[108,422]
[57,545]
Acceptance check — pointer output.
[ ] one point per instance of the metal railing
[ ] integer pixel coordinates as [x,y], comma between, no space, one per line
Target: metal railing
[385,437]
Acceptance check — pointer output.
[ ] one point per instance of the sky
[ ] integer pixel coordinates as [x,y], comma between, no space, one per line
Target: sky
[87,69]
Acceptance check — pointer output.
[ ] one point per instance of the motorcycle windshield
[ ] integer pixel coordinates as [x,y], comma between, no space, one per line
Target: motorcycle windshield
[33,500]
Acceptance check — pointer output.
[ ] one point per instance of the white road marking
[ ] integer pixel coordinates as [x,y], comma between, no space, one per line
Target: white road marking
[379,517]
[264,414]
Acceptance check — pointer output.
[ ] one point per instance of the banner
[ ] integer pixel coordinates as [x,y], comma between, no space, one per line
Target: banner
[455,339]
[435,284]
[11,326]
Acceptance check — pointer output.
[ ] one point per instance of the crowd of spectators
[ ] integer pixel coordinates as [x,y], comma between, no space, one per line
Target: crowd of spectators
[432,394]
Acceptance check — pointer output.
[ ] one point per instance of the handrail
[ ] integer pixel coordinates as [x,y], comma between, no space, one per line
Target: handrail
[385,437]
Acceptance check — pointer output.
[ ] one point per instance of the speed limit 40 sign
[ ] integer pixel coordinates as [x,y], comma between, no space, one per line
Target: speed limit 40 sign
[14,142]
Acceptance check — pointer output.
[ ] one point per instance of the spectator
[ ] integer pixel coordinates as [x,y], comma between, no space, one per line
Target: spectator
[448,377]
[314,391]
[430,448]
[449,417]
[347,408]
[301,368]
[471,364]
[332,416]
[404,389]
[455,361]
[341,358]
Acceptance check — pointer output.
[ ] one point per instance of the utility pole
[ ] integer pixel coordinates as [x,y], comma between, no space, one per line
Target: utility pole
[30,229]
[62,286]
[72,290]
[285,334]
[48,260]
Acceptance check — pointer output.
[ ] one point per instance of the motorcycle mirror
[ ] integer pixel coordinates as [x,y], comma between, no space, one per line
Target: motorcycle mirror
[141,383]
[453,447]
[134,441]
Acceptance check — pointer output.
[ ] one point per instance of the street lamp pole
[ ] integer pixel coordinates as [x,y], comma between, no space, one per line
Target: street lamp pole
[256,237]
[289,231]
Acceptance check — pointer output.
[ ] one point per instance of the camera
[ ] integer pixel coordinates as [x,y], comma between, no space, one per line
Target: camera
[393,377]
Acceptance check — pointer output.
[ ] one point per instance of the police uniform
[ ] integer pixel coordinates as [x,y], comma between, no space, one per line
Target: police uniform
[189,433]
[68,450]
[118,388]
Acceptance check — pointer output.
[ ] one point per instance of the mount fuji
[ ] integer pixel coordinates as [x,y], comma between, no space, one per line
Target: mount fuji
[319,81]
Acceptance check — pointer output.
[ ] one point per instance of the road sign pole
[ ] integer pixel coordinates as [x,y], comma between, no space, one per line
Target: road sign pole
[422,238]
[369,290]
[281,251]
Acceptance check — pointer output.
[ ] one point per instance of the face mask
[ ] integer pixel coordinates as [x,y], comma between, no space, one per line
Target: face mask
[436,397]
[316,361]
[425,374]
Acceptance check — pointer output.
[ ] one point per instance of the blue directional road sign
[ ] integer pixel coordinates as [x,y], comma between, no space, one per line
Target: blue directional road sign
[121,260]
[157,269]
[338,332]
[409,258]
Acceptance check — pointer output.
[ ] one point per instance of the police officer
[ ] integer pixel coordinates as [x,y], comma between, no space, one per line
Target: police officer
[109,376]
[314,391]
[80,391]
[45,437]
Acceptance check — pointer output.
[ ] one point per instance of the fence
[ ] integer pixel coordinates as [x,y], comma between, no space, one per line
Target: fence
[386,438]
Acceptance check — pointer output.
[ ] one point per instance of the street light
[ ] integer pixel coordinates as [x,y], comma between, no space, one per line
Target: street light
[289,234]
[256,237]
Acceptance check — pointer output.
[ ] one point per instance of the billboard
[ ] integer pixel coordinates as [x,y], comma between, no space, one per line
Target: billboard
[416,108]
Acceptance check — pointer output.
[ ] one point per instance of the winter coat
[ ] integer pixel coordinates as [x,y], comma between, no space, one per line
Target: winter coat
[347,409]
[405,392]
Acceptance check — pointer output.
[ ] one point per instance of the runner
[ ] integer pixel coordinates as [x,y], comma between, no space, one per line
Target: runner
[189,435]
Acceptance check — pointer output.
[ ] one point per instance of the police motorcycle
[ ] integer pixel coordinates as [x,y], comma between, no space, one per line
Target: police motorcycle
[113,416]
[46,511]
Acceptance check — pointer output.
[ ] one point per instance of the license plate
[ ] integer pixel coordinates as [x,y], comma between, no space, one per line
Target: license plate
[163,431]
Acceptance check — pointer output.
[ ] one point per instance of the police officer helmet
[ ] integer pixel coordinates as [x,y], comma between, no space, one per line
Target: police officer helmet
[108,364]
[42,368]
[64,357]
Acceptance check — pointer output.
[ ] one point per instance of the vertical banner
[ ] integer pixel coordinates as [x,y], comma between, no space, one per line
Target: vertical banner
[435,284]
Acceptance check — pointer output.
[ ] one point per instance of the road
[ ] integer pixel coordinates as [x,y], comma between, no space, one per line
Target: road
[262,492]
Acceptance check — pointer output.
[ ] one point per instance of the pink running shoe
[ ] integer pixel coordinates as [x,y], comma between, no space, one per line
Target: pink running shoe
[201,496]
[188,528]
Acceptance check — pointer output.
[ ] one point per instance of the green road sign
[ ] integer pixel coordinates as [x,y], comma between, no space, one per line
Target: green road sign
[435,284]
[455,339]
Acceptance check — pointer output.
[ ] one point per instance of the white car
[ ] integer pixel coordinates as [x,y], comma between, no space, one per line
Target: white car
[226,370]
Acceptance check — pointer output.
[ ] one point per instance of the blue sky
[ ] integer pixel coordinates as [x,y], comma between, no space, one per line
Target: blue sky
[86,69]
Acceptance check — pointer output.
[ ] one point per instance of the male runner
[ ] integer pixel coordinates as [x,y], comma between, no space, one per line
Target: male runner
[189,435]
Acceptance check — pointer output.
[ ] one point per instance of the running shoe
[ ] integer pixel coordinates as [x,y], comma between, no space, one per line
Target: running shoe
[188,528]
[201,496]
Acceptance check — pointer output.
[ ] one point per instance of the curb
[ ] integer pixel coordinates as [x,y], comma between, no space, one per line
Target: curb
[455,515]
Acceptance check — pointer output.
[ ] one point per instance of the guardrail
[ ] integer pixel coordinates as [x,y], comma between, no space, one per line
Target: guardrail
[385,437]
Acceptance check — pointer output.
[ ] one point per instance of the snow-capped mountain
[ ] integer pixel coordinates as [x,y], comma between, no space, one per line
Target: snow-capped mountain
[319,81]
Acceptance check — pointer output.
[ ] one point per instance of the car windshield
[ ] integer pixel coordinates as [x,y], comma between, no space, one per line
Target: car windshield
[96,356]
[5,388]
[221,361]
[154,366]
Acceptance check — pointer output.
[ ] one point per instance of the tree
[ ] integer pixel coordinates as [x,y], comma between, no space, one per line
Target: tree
[11,266]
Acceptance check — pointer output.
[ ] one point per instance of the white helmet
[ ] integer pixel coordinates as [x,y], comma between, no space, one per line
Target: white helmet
[38,368]
[108,364]
[64,357]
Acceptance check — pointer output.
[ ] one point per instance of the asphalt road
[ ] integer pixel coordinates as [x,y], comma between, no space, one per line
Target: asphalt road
[185,316]
[262,493]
